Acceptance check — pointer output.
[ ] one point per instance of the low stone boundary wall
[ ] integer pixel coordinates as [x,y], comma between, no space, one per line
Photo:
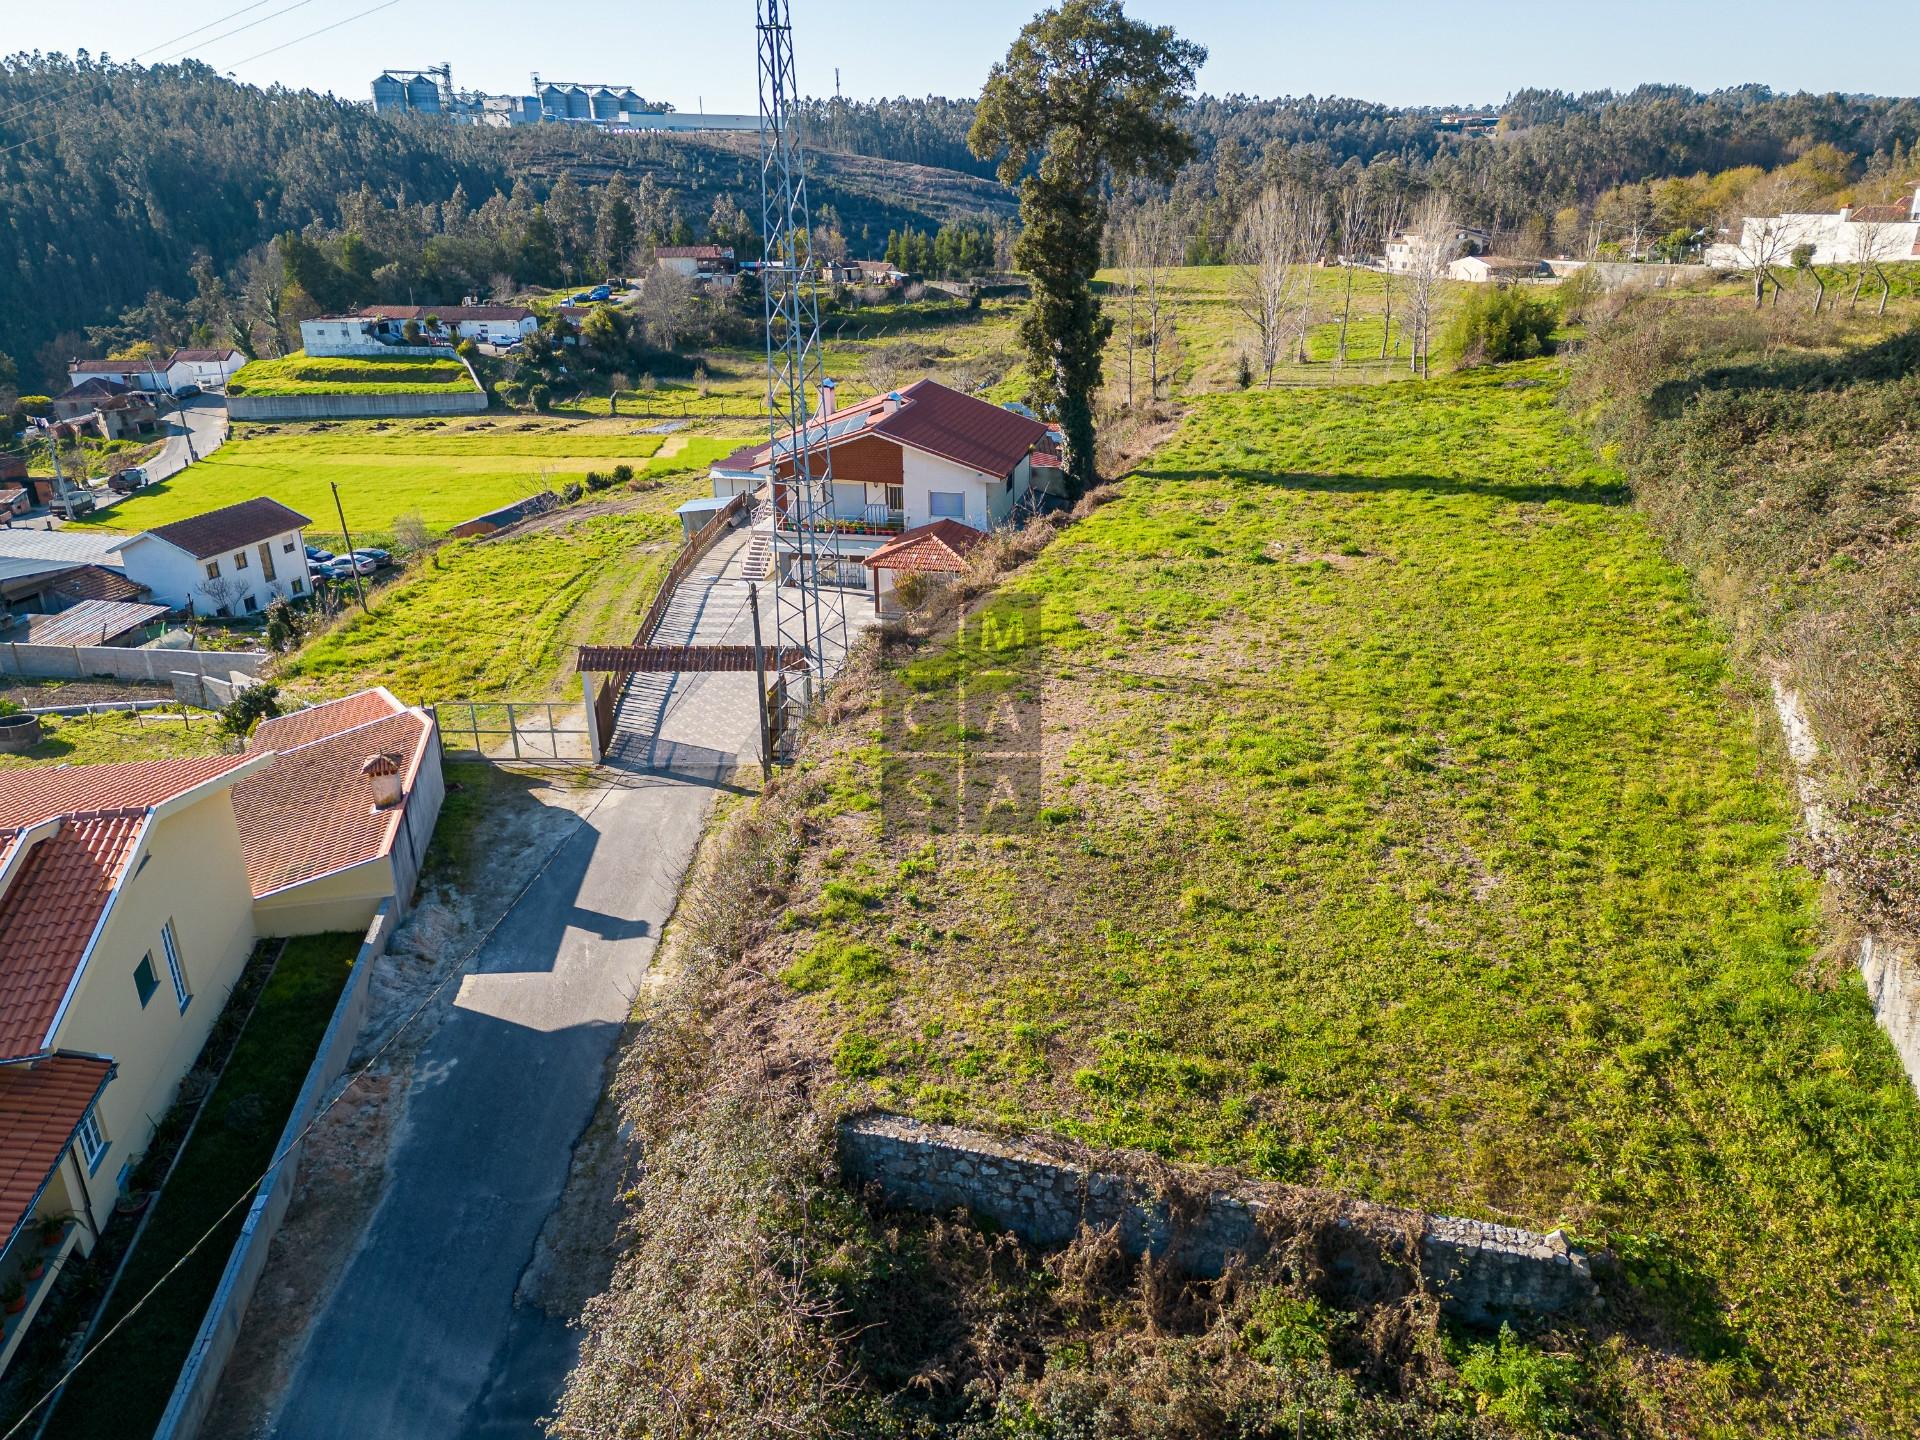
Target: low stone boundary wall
[84,662]
[200,1376]
[1048,1191]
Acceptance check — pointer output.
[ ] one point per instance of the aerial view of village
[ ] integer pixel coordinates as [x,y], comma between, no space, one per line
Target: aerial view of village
[983,724]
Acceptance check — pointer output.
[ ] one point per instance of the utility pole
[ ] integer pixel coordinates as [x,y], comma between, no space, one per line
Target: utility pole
[760,687]
[359,583]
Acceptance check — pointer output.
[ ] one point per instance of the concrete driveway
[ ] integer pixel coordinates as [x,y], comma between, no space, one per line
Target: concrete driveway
[205,418]
[422,1337]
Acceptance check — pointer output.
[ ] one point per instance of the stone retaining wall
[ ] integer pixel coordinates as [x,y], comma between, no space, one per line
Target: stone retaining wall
[1048,1191]
[353,407]
[85,662]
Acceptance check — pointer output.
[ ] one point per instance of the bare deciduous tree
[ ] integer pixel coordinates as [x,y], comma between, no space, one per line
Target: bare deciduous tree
[1435,240]
[1146,253]
[666,305]
[1356,235]
[1766,240]
[223,593]
[1273,241]
[1389,214]
[1874,243]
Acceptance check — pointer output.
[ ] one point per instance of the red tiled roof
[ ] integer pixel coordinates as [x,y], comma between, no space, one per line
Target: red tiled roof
[231,527]
[939,546]
[301,727]
[1882,214]
[957,427]
[41,1105]
[49,913]
[201,357]
[116,367]
[95,582]
[93,389]
[971,432]
[690,252]
[311,812]
[28,796]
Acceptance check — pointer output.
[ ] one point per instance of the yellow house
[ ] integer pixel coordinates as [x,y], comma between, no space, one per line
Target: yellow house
[125,921]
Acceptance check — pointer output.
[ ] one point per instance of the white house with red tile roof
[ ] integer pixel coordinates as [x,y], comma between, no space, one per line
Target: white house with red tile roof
[900,461]
[125,919]
[341,819]
[236,560]
[210,368]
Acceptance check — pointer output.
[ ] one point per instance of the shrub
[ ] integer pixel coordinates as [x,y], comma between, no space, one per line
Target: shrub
[598,481]
[541,397]
[38,406]
[249,708]
[1243,373]
[1500,323]
[283,626]
[622,473]
[1520,1385]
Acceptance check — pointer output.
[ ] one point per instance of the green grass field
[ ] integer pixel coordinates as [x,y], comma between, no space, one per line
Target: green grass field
[301,374]
[497,619]
[109,738]
[1406,831]
[445,472]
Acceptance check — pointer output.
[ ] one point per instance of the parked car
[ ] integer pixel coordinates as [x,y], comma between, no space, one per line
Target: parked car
[375,554]
[585,297]
[127,481]
[73,504]
[355,564]
[317,556]
[600,292]
[188,392]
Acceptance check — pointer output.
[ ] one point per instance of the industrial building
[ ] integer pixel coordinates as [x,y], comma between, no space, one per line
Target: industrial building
[429,90]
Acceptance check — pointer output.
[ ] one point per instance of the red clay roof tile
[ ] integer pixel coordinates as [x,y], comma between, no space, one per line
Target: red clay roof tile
[41,1105]
[299,727]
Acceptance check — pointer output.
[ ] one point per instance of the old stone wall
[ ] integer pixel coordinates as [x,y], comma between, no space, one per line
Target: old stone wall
[1047,1191]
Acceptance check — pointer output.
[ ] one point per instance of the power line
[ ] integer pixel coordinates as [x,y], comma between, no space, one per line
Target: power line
[454,972]
[389,4]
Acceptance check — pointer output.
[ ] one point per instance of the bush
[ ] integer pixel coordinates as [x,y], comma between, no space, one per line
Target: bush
[597,481]
[249,708]
[541,397]
[38,406]
[622,474]
[284,626]
[1500,323]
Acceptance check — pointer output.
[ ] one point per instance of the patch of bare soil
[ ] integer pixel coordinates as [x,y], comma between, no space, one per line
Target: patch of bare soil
[343,1168]
[79,692]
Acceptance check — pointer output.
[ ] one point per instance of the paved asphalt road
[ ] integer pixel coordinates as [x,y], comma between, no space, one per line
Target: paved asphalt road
[422,1338]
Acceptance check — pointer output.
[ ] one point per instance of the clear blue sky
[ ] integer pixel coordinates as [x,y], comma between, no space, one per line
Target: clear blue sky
[1437,52]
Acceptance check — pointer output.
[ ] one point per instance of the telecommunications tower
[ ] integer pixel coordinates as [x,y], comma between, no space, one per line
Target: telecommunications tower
[809,605]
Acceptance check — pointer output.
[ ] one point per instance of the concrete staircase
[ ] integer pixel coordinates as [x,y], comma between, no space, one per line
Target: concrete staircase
[757,563]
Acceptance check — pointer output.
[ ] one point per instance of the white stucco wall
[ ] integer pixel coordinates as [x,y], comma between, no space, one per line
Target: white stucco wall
[175,577]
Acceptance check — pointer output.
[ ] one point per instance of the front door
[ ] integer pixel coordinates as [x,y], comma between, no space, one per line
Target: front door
[266,562]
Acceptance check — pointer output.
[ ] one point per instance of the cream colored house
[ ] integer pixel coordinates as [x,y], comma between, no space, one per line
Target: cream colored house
[125,920]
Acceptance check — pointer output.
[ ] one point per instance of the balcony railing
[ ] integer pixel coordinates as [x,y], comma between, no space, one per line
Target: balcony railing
[872,520]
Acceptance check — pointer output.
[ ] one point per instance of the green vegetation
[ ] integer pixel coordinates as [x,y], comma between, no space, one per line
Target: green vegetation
[1407,832]
[1493,324]
[300,374]
[129,1381]
[1775,453]
[496,618]
[445,473]
[112,737]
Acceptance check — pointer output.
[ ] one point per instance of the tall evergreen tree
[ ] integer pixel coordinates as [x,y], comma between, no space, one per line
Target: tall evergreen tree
[1093,95]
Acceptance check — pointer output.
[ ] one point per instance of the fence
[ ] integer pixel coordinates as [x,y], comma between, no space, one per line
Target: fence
[515,730]
[86,662]
[200,1377]
[606,700]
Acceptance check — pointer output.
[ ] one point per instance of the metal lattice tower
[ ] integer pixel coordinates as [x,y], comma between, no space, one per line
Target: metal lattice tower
[809,607]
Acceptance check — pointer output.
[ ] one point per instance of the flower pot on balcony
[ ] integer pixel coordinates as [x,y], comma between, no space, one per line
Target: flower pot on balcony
[37,1269]
[52,1232]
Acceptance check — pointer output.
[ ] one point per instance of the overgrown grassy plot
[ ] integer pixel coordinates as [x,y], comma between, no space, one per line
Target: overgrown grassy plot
[489,619]
[1408,833]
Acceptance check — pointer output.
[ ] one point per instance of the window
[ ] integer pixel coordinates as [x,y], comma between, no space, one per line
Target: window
[947,504]
[252,604]
[287,548]
[213,569]
[93,1140]
[170,943]
[144,980]
[299,586]
[239,559]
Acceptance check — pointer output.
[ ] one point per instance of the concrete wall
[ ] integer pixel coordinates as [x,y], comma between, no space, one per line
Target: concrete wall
[187,870]
[81,662]
[353,407]
[199,1378]
[1614,273]
[1049,1191]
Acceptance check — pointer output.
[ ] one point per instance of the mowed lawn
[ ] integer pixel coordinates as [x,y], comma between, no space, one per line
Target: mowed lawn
[1405,830]
[407,468]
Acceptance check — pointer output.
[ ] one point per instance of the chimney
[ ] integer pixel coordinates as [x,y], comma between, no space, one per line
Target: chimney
[826,397]
[383,773]
[891,403]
